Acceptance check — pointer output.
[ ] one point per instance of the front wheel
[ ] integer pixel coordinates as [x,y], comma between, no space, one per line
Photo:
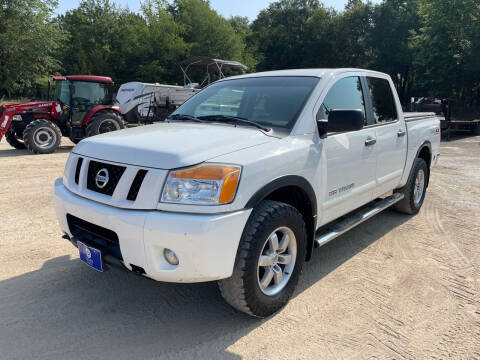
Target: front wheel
[415,189]
[14,140]
[42,136]
[269,260]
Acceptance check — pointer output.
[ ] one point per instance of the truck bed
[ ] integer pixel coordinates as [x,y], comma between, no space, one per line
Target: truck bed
[422,128]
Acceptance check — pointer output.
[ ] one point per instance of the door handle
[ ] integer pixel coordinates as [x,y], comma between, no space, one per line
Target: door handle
[370,141]
[401,133]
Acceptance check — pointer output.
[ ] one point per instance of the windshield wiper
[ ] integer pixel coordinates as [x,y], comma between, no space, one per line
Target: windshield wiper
[184,117]
[235,119]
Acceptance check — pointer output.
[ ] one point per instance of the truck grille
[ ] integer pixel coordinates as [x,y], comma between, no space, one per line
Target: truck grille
[77,170]
[114,172]
[136,184]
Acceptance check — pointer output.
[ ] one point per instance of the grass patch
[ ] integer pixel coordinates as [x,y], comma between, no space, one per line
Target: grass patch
[12,101]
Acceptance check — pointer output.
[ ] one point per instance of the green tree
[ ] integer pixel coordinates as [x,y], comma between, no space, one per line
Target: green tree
[241,26]
[352,30]
[321,50]
[161,45]
[208,33]
[28,44]
[108,40]
[280,33]
[94,27]
[448,49]
[395,22]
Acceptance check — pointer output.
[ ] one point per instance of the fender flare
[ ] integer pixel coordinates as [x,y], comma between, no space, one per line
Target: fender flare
[306,187]
[425,144]
[98,108]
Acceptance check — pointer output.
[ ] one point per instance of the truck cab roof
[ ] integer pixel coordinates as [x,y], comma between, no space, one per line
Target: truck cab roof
[320,73]
[91,78]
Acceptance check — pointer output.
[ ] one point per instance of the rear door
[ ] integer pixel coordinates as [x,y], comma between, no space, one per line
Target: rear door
[391,134]
[350,156]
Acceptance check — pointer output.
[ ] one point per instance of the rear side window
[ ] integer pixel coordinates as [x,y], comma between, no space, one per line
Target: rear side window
[382,100]
[345,94]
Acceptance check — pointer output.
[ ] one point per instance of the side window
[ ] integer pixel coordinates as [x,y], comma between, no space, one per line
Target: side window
[345,94]
[383,102]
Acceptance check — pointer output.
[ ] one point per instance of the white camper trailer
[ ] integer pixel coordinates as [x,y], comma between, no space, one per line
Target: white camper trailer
[148,102]
[143,102]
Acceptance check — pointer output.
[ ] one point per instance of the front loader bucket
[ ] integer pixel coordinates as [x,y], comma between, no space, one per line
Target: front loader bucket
[5,121]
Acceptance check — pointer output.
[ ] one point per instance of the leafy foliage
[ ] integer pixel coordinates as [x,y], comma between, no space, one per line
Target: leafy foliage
[28,43]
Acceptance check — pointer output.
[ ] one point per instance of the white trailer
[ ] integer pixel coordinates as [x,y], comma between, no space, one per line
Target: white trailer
[148,102]
[142,102]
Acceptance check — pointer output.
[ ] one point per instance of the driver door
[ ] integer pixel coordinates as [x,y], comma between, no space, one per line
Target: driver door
[85,96]
[350,157]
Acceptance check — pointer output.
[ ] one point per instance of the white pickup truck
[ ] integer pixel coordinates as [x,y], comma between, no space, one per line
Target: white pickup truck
[244,179]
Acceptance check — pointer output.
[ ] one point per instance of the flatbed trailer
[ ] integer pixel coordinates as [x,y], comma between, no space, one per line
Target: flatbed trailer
[472,125]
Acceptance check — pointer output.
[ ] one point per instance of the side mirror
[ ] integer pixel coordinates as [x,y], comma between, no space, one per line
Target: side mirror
[341,121]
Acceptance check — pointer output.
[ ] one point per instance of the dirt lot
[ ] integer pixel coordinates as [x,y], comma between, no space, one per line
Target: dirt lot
[396,287]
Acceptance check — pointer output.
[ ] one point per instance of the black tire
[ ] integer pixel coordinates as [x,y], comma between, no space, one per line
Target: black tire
[242,290]
[14,140]
[103,122]
[42,136]
[409,205]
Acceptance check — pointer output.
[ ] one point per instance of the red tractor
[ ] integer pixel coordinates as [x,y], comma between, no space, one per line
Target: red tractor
[82,106]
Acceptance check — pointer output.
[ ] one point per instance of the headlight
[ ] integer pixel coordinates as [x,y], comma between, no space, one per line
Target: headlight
[206,184]
[17,118]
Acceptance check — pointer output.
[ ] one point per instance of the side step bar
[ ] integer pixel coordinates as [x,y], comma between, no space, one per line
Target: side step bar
[349,221]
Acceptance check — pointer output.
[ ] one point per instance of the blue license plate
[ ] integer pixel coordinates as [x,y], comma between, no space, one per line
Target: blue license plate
[90,256]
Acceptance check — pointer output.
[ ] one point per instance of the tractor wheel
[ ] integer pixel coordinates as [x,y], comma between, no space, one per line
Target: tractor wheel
[14,140]
[103,122]
[42,136]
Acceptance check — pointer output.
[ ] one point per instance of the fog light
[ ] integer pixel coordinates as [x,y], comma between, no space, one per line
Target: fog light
[170,256]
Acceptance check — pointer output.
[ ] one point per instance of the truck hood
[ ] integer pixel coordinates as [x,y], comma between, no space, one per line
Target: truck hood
[170,145]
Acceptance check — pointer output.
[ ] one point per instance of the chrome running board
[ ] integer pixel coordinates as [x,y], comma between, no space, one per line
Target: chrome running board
[356,217]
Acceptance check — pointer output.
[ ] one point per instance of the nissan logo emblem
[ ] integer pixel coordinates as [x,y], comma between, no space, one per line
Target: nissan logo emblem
[101,179]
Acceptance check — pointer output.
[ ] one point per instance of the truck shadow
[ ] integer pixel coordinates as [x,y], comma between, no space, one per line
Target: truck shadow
[17,152]
[66,310]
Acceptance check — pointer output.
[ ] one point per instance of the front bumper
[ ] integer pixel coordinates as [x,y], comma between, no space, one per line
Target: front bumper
[206,244]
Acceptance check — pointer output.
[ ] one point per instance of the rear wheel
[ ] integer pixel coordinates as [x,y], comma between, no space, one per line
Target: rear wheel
[269,260]
[14,140]
[414,190]
[103,122]
[42,136]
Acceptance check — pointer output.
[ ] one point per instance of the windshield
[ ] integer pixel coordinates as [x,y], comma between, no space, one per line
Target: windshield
[270,101]
[92,93]
[62,92]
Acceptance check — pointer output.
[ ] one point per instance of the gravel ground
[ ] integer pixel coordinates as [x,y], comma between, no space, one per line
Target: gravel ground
[396,287]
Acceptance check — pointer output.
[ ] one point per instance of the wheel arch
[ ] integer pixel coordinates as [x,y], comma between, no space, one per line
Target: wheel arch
[297,192]
[424,152]
[98,109]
